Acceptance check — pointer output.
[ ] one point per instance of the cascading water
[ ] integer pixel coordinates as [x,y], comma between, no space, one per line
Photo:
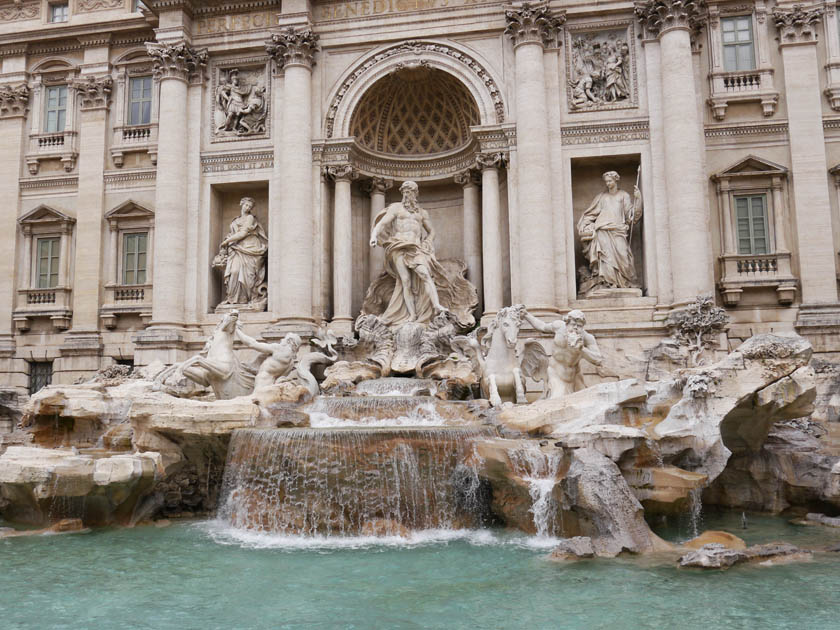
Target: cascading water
[396,386]
[540,469]
[695,515]
[350,482]
[387,411]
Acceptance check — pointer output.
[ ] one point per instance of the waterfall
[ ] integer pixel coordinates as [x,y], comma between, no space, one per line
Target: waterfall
[695,514]
[351,482]
[539,469]
[396,386]
[387,411]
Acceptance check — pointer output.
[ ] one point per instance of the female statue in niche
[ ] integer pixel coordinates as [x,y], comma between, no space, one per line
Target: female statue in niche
[242,255]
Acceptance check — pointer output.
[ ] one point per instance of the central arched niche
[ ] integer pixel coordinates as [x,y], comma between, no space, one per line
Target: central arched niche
[413,112]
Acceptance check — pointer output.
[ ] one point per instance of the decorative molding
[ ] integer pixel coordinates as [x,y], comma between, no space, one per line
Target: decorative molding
[341,172]
[241,113]
[605,132]
[177,61]
[660,16]
[293,47]
[469,177]
[94,92]
[231,7]
[797,25]
[831,123]
[378,185]
[497,159]
[87,6]
[40,183]
[240,161]
[495,137]
[116,180]
[14,101]
[18,10]
[533,24]
[745,130]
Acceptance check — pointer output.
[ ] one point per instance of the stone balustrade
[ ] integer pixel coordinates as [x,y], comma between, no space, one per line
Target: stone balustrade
[126,299]
[58,145]
[742,272]
[54,302]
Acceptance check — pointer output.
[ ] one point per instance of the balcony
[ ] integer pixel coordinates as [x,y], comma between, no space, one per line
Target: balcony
[743,87]
[53,303]
[742,272]
[134,139]
[51,146]
[126,299]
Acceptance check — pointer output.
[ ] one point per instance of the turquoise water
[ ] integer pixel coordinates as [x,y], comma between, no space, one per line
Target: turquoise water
[201,575]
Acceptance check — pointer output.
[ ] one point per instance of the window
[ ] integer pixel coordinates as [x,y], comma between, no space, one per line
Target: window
[738,51]
[48,262]
[40,375]
[138,5]
[751,217]
[56,110]
[134,258]
[59,12]
[140,101]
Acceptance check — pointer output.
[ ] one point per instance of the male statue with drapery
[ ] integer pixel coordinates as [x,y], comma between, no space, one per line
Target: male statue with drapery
[415,285]
[242,255]
[605,229]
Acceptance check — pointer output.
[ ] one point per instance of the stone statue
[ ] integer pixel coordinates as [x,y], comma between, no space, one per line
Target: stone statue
[279,360]
[604,231]
[242,255]
[560,371]
[240,108]
[415,285]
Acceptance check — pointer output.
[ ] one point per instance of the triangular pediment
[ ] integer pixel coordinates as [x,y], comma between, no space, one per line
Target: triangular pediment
[129,209]
[43,215]
[752,165]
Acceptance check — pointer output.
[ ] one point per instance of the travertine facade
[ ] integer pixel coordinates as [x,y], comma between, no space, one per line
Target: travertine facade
[128,137]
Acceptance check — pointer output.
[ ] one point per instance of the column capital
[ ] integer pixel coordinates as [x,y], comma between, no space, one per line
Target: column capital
[661,16]
[797,24]
[378,185]
[177,61]
[494,159]
[467,178]
[94,92]
[293,46]
[532,23]
[14,100]
[341,172]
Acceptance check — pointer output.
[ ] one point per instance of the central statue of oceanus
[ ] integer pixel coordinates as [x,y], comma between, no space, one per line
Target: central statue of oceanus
[415,286]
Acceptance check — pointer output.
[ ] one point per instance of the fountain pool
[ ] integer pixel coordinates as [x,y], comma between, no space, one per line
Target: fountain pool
[206,576]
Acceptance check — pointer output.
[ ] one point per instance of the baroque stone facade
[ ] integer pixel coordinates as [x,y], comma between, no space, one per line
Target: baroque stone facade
[128,141]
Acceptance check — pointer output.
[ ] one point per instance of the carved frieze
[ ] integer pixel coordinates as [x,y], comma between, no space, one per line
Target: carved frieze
[601,68]
[94,92]
[177,61]
[19,10]
[658,16]
[241,101]
[797,24]
[219,162]
[533,23]
[293,46]
[14,100]
[86,6]
[605,132]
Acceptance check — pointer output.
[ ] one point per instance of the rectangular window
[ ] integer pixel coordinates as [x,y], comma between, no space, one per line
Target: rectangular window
[140,101]
[40,375]
[751,217]
[134,258]
[738,50]
[48,262]
[59,12]
[56,108]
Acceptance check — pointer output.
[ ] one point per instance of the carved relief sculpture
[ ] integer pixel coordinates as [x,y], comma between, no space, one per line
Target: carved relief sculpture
[94,92]
[242,255]
[605,231]
[240,103]
[600,70]
[14,100]
[415,286]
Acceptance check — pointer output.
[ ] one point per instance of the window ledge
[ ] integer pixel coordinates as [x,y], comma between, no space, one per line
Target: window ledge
[742,272]
[126,299]
[53,303]
[743,87]
[45,146]
[134,138]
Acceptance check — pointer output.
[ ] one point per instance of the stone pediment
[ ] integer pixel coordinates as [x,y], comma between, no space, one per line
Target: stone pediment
[752,166]
[45,215]
[129,210]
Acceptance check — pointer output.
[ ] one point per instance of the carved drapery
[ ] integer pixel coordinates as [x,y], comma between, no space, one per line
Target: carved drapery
[658,16]
[177,61]
[94,92]
[798,24]
[14,100]
[532,23]
[293,46]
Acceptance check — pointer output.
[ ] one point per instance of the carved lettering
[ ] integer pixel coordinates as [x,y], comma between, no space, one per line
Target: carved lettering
[350,9]
[232,23]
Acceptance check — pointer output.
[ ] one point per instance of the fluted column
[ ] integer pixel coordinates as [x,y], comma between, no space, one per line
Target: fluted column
[532,26]
[343,176]
[174,65]
[376,187]
[674,22]
[472,228]
[491,231]
[293,51]
[798,47]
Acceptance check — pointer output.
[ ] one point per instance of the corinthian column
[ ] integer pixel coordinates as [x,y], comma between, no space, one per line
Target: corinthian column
[342,247]
[798,46]
[531,27]
[491,231]
[291,222]
[674,22]
[377,187]
[472,228]
[174,66]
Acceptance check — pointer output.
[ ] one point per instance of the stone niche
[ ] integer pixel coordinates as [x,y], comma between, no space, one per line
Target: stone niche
[224,208]
[587,183]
